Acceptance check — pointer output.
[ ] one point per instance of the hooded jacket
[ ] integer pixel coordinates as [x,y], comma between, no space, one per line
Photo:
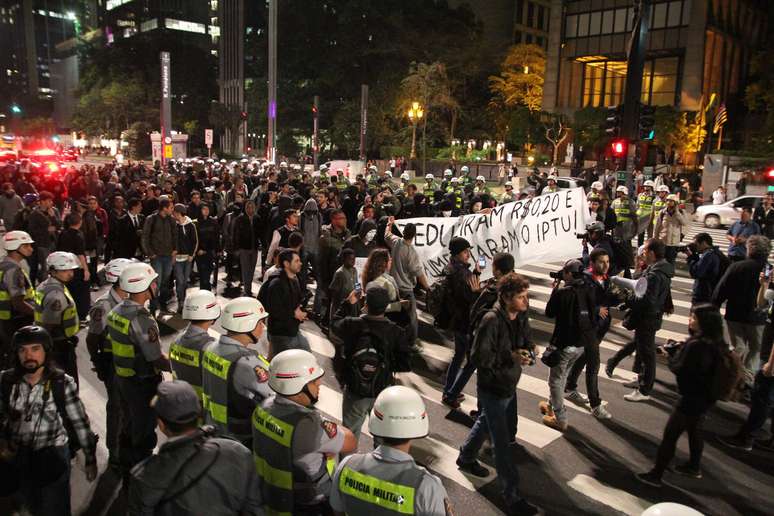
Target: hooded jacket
[359,242]
[310,225]
[649,309]
[331,243]
[462,297]
[572,306]
[187,238]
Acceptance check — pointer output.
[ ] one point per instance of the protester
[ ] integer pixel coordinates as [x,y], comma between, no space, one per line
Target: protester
[282,297]
[704,265]
[159,243]
[738,234]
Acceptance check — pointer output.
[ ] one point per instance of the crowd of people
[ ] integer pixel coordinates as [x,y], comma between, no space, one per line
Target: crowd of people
[240,420]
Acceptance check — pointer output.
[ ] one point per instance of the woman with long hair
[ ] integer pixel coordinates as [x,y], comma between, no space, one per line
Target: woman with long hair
[695,364]
[376,270]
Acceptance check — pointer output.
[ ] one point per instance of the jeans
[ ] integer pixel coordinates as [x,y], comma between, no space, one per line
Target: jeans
[163,267]
[590,360]
[52,499]
[138,420]
[247,262]
[182,274]
[280,343]
[354,411]
[646,353]
[677,424]
[457,376]
[205,264]
[496,420]
[557,379]
[761,406]
[746,341]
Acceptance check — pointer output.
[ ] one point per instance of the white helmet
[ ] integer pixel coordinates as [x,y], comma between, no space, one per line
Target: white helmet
[137,277]
[323,168]
[373,168]
[448,172]
[622,189]
[464,169]
[388,173]
[596,185]
[405,176]
[455,180]
[291,370]
[670,509]
[552,178]
[13,240]
[201,306]
[649,183]
[480,178]
[399,413]
[429,176]
[673,197]
[283,164]
[242,315]
[62,261]
[663,188]
[115,267]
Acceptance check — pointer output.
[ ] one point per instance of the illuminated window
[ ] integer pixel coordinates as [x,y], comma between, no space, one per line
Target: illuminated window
[149,25]
[604,81]
[185,26]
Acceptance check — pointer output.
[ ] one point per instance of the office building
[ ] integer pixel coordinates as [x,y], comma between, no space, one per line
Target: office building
[231,63]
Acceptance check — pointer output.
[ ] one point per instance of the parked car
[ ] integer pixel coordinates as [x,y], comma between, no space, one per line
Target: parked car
[715,216]
[565,183]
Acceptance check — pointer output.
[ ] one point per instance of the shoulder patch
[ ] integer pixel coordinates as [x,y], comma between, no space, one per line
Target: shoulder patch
[261,374]
[56,305]
[330,428]
[19,280]
[97,313]
[153,334]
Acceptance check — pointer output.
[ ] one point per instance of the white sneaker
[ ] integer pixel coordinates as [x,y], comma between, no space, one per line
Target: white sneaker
[636,396]
[632,384]
[601,412]
[577,397]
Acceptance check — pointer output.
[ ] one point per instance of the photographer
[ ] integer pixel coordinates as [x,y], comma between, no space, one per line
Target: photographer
[704,262]
[596,238]
[571,306]
[669,226]
[694,364]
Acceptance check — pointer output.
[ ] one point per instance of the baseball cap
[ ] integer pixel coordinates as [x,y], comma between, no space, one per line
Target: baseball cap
[176,402]
[377,298]
[457,245]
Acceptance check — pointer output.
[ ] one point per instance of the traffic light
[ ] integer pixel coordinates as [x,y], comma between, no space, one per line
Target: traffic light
[243,115]
[646,122]
[314,110]
[614,120]
[16,109]
[618,148]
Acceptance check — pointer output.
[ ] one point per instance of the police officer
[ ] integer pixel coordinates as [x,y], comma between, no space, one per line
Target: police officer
[551,187]
[101,351]
[430,185]
[292,442]
[17,297]
[465,179]
[387,480]
[624,215]
[138,362]
[202,310]
[55,310]
[480,187]
[447,175]
[454,195]
[645,211]
[235,377]
[373,176]
[659,203]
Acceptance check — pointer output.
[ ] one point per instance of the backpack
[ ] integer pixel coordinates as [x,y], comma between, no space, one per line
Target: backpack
[55,386]
[728,377]
[367,369]
[437,303]
[724,263]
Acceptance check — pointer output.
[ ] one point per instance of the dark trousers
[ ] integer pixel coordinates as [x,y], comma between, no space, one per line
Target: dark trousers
[678,423]
[457,376]
[590,360]
[762,405]
[205,264]
[138,420]
[52,499]
[646,353]
[671,254]
[81,293]
[64,356]
[112,407]
[93,276]
[625,350]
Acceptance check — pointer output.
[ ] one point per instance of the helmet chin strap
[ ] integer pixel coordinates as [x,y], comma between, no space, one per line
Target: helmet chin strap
[312,398]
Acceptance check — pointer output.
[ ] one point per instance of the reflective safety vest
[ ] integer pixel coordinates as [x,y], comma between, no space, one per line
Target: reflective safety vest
[659,204]
[644,205]
[622,211]
[128,359]
[106,303]
[227,410]
[550,189]
[369,486]
[284,486]
[6,308]
[457,191]
[429,188]
[185,357]
[70,323]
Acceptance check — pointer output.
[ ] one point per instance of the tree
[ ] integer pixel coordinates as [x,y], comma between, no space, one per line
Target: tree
[521,78]
[556,132]
[223,118]
[588,127]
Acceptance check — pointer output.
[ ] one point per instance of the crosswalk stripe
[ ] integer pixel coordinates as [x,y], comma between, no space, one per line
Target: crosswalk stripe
[616,498]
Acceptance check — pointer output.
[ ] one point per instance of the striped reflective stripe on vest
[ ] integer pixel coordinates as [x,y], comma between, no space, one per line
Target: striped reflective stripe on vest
[186,365]
[375,487]
[381,493]
[124,355]
[70,323]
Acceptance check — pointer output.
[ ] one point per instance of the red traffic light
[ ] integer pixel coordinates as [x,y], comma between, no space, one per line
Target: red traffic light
[314,109]
[618,148]
[770,174]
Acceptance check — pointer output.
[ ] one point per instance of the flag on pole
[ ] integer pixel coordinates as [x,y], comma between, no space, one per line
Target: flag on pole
[721,117]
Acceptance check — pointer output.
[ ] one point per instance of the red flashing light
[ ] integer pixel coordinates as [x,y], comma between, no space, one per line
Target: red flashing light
[618,148]
[53,167]
[45,152]
[770,173]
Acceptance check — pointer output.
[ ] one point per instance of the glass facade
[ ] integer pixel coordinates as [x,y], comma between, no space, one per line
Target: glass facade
[615,21]
[604,81]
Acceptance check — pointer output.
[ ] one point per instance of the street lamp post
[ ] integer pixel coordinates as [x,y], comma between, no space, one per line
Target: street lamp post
[415,114]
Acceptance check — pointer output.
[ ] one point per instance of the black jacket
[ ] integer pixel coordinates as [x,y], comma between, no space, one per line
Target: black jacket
[281,296]
[649,309]
[694,366]
[496,338]
[572,306]
[209,235]
[187,238]
[462,297]
[602,297]
[129,237]
[739,286]
[246,232]
[705,270]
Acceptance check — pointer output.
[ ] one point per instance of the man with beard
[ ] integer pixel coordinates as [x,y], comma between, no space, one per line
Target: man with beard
[31,391]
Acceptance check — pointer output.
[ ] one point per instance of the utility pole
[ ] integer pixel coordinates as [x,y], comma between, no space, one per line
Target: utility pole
[272,108]
[363,120]
[166,107]
[633,92]
[315,131]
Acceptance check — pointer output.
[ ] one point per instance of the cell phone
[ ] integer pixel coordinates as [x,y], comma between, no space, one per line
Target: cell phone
[358,287]
[481,262]
[767,270]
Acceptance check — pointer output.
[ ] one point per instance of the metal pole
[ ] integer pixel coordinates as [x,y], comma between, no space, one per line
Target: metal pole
[363,119]
[414,142]
[272,108]
[166,102]
[315,133]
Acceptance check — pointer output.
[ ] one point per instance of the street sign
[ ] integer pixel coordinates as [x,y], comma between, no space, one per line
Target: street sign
[621,177]
[167,151]
[208,137]
[647,172]
[168,140]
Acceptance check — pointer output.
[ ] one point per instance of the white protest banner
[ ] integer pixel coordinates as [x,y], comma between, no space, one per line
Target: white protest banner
[538,230]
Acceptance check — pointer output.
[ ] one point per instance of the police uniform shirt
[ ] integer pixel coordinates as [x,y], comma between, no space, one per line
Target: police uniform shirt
[99,311]
[13,280]
[144,333]
[54,304]
[430,499]
[249,375]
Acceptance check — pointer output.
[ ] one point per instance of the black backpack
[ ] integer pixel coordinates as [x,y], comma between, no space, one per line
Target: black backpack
[55,386]
[367,366]
[438,303]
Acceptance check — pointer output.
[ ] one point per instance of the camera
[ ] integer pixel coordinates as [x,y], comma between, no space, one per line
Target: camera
[557,275]
[685,249]
[672,346]
[582,236]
